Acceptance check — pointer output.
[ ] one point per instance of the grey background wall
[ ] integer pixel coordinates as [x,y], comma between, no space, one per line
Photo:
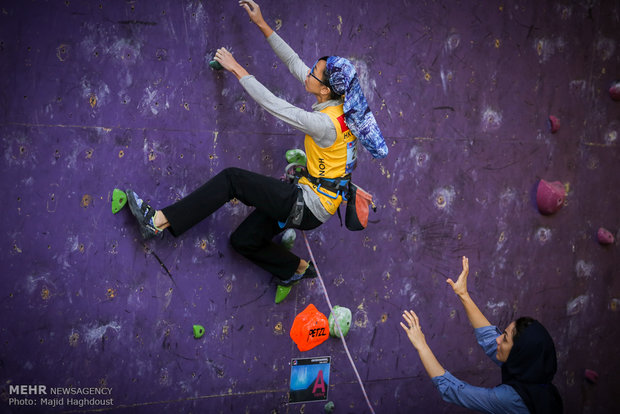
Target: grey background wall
[102,95]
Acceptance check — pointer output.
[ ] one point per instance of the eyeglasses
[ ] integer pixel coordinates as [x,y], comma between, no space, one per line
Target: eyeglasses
[311,73]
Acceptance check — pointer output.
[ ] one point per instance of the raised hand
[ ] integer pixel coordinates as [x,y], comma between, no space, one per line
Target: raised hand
[253,10]
[413,329]
[460,287]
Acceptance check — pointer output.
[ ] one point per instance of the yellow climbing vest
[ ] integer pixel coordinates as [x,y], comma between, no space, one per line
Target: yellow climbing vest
[336,161]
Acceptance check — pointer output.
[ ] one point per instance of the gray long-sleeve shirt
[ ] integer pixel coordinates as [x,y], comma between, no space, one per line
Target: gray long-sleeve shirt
[314,123]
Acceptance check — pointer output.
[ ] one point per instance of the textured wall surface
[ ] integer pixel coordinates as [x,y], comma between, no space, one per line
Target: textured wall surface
[102,95]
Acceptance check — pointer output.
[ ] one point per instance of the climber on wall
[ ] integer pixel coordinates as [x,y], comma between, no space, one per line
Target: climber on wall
[338,119]
[525,352]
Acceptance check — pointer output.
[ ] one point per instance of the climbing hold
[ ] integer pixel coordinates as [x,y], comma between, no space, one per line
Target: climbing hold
[329,407]
[310,328]
[343,316]
[550,196]
[591,376]
[614,91]
[605,236]
[282,292]
[216,65]
[296,156]
[199,331]
[288,238]
[119,198]
[554,124]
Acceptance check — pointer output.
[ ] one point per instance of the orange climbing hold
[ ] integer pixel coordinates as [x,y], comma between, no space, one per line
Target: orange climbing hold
[310,328]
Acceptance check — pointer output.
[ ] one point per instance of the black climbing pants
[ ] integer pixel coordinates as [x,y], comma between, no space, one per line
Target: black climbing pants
[272,199]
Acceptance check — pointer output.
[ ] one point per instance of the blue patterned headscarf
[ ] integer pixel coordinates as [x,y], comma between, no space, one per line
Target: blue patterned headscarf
[343,80]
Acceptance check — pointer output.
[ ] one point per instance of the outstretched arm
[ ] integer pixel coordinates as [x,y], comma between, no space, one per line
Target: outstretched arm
[256,16]
[286,54]
[475,316]
[414,332]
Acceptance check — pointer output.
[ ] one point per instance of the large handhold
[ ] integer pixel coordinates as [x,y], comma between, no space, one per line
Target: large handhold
[550,196]
[310,328]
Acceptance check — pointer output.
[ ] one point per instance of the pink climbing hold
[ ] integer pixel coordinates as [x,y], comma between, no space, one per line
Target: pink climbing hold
[591,376]
[614,91]
[554,124]
[605,236]
[550,196]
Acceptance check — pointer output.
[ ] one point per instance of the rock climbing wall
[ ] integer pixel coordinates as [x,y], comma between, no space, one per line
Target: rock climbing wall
[102,95]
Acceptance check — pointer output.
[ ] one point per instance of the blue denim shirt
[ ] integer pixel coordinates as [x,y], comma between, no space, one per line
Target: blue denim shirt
[502,399]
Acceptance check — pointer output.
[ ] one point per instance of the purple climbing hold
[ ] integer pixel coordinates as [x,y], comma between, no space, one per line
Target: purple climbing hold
[550,196]
[591,376]
[605,236]
[614,91]
[554,124]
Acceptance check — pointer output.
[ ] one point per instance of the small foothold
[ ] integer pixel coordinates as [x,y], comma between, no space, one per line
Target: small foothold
[550,196]
[343,316]
[216,65]
[329,407]
[614,91]
[605,236]
[554,124]
[591,376]
[119,199]
[199,331]
[282,292]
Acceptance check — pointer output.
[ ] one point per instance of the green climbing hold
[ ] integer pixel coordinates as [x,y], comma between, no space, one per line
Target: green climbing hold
[282,292]
[216,65]
[288,238]
[119,198]
[343,316]
[296,156]
[199,331]
[329,407]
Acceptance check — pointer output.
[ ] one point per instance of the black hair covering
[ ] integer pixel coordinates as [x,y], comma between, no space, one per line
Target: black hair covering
[530,368]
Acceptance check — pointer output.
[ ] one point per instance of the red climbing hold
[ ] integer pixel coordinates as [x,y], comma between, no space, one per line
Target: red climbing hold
[554,124]
[605,236]
[550,196]
[591,376]
[614,91]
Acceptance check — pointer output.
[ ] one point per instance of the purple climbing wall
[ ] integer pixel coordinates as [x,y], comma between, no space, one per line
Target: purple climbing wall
[102,95]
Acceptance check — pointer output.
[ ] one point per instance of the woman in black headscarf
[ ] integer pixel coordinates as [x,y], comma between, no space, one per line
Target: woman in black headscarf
[531,365]
[525,352]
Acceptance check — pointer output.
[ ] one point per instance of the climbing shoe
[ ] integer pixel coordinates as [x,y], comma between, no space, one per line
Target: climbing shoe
[310,273]
[145,214]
